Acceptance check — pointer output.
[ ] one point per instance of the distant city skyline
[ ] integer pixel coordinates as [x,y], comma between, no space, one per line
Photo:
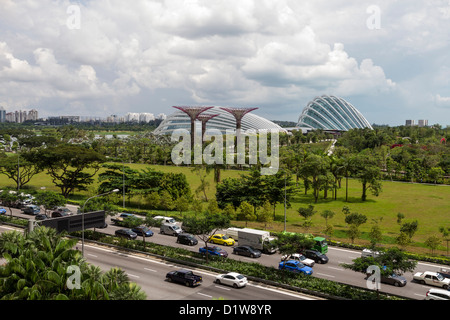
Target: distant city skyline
[108,57]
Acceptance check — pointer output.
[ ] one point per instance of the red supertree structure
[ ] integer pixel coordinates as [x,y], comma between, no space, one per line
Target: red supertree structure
[238,114]
[204,118]
[193,113]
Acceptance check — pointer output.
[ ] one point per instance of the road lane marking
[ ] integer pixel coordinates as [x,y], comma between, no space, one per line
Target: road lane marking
[92,255]
[132,275]
[340,269]
[326,275]
[223,288]
[150,270]
[202,294]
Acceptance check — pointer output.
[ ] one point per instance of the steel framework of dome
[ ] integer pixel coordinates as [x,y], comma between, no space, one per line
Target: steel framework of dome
[223,121]
[331,113]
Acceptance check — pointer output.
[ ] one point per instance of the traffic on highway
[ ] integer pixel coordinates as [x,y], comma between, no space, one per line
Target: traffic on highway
[327,266]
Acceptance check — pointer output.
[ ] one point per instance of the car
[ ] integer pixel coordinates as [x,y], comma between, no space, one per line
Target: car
[233,279]
[369,253]
[165,219]
[61,212]
[299,257]
[317,256]
[393,279]
[31,209]
[295,266]
[142,231]
[2,210]
[445,272]
[220,238]
[187,238]
[214,251]
[437,294]
[40,216]
[126,233]
[432,279]
[248,251]
[187,277]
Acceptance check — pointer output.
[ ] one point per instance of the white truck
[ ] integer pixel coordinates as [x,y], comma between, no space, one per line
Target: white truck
[258,239]
[432,278]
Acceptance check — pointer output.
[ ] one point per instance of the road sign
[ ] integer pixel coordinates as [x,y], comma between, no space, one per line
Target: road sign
[75,222]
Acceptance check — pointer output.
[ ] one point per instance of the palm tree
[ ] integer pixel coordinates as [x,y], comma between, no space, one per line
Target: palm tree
[37,265]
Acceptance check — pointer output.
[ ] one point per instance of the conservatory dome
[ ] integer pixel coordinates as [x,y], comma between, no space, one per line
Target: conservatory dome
[331,113]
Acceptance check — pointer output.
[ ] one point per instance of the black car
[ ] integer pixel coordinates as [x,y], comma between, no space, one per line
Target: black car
[61,212]
[41,216]
[247,251]
[316,256]
[186,238]
[126,233]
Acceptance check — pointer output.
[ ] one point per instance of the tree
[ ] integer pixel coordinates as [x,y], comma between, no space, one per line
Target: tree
[38,267]
[409,228]
[445,234]
[71,167]
[369,174]
[433,243]
[354,219]
[204,225]
[307,213]
[375,234]
[10,198]
[49,200]
[18,169]
[289,243]
[246,212]
[392,261]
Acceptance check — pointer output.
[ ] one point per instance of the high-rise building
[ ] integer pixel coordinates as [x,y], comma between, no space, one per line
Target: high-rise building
[422,123]
[409,123]
[2,114]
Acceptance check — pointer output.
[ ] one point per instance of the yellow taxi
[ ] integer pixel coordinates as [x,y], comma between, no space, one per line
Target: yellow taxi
[219,238]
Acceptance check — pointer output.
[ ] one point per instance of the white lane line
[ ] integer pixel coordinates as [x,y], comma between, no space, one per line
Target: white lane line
[150,270]
[132,275]
[202,294]
[339,269]
[223,288]
[92,255]
[326,275]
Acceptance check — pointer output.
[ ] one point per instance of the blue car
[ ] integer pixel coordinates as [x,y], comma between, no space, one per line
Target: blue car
[295,266]
[215,251]
[2,211]
[143,231]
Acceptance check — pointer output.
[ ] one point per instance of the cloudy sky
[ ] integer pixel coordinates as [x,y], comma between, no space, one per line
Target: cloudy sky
[389,58]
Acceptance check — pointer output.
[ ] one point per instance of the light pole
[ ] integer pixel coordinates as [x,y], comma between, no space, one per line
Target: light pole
[82,216]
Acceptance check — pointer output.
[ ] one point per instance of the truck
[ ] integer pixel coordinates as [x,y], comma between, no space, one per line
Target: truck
[187,277]
[320,243]
[432,278]
[258,239]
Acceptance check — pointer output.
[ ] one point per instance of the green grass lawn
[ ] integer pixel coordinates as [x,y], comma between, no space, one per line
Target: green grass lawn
[429,204]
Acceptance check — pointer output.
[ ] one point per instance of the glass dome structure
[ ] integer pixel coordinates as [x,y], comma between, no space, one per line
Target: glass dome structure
[222,120]
[331,113]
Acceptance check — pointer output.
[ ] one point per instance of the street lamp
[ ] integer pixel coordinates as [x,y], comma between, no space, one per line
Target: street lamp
[82,216]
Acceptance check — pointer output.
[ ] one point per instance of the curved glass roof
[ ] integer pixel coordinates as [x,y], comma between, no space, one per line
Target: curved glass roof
[224,121]
[331,113]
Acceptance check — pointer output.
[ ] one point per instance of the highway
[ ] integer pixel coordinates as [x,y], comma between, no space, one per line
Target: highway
[330,271]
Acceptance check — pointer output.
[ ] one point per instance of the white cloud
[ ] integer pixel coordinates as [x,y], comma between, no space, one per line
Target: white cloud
[278,54]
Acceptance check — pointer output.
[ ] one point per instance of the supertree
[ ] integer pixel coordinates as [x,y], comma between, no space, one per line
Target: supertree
[238,114]
[204,118]
[193,113]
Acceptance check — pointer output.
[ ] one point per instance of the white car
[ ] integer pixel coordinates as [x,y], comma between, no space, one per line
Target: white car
[369,253]
[299,257]
[234,279]
[432,279]
[437,294]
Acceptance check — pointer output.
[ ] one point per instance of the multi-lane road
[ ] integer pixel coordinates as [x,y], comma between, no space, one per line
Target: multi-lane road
[150,273]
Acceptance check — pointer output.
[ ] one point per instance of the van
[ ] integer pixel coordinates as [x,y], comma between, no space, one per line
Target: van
[31,209]
[165,219]
[170,229]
